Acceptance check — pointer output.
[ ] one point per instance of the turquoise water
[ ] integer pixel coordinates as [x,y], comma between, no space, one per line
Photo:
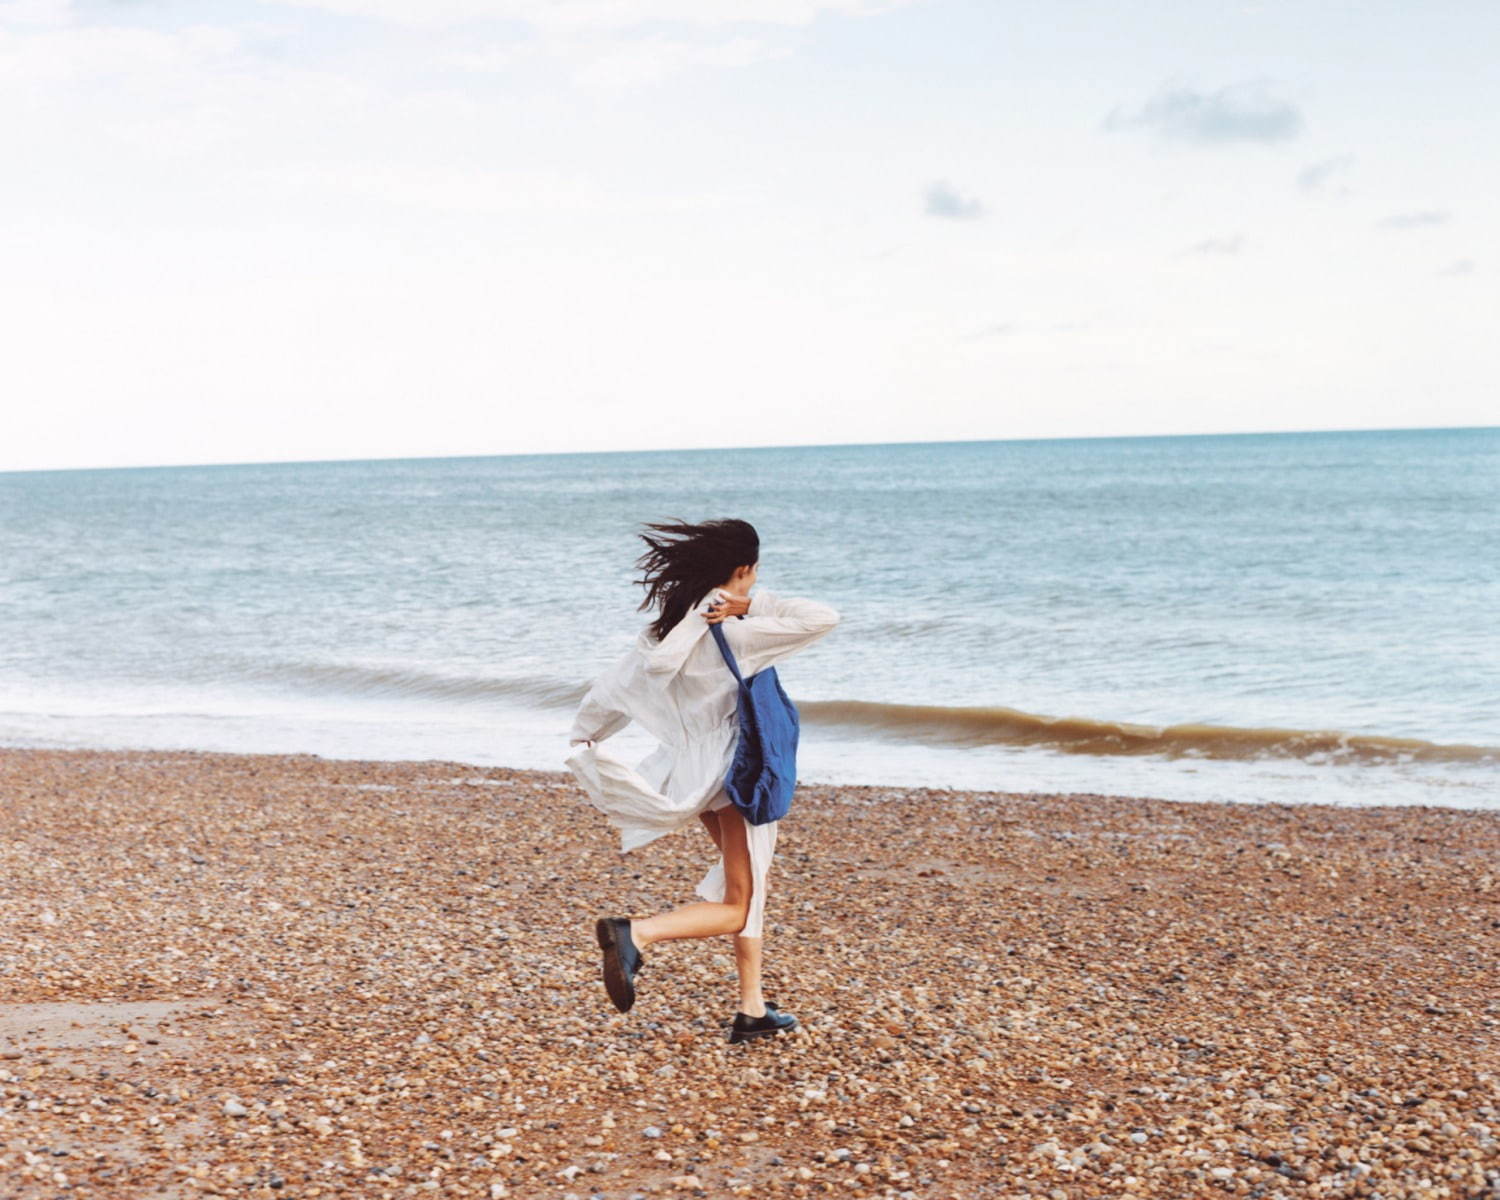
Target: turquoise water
[1175,597]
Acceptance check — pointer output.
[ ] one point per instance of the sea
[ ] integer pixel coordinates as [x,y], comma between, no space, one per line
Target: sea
[1254,618]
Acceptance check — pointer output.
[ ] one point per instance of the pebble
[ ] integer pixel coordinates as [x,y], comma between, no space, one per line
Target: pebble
[1084,995]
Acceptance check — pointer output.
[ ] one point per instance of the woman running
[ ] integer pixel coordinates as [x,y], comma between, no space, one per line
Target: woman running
[675,683]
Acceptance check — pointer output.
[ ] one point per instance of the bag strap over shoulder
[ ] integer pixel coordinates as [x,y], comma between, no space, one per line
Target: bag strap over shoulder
[725,651]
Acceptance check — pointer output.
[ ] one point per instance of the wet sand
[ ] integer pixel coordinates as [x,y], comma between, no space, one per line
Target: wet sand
[284,976]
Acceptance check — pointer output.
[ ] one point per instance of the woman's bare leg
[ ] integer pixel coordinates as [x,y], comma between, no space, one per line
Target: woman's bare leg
[711,823]
[747,962]
[707,918]
[746,949]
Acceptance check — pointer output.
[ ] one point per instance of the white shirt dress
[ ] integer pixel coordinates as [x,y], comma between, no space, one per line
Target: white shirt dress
[682,692]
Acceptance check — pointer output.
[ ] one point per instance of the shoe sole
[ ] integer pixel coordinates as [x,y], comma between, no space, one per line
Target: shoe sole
[735,1038]
[621,992]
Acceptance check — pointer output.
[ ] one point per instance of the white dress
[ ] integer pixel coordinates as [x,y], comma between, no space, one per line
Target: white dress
[682,692]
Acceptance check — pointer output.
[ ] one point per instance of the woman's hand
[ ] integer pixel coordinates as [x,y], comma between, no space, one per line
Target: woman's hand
[731,606]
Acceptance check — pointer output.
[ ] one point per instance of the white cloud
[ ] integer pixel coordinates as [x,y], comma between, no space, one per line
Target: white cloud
[35,12]
[1218,245]
[1244,112]
[69,55]
[646,60]
[997,330]
[943,200]
[1315,175]
[490,60]
[584,16]
[1421,219]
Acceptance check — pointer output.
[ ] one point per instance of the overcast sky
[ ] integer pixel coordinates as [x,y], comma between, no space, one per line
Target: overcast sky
[311,229]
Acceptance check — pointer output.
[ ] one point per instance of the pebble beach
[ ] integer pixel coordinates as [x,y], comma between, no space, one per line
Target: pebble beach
[288,976]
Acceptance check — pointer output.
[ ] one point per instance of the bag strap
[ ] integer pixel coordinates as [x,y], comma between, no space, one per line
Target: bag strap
[724,650]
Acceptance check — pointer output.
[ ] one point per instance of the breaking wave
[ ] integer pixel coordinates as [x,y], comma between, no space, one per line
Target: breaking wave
[936,725]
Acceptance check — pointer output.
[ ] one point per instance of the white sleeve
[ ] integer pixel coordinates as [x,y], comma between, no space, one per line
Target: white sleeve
[602,713]
[776,627]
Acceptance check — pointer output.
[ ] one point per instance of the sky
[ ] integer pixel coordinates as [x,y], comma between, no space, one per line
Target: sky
[336,229]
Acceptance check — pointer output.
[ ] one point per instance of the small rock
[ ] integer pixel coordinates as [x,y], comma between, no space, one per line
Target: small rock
[233,1108]
[651,1131]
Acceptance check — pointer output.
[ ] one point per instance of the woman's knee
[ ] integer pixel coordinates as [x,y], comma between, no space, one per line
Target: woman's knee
[737,900]
[741,916]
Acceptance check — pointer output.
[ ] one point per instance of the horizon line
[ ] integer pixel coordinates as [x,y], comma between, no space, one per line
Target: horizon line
[397,458]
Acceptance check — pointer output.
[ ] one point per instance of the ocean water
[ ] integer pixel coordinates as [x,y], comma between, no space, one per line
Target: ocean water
[1255,617]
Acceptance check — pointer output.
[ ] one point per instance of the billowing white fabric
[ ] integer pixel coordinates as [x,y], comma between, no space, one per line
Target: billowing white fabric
[681,691]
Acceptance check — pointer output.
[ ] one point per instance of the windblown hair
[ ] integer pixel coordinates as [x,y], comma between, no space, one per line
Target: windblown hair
[685,561]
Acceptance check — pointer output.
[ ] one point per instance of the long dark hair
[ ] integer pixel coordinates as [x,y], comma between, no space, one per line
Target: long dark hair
[685,561]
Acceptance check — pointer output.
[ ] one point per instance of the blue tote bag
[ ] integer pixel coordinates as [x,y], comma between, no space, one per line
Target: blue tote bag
[764,771]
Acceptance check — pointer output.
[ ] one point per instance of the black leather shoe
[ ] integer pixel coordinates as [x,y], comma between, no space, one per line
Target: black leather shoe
[775,1021]
[621,959]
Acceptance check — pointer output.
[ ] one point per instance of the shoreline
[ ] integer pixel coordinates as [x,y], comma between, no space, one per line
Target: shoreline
[1056,776]
[290,975]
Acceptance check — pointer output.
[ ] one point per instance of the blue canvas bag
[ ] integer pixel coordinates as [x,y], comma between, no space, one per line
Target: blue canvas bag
[763,775]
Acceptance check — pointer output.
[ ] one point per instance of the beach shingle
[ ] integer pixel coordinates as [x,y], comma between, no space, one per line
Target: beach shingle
[288,976]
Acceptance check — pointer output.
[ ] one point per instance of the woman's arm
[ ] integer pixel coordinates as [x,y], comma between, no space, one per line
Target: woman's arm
[601,714]
[776,627]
